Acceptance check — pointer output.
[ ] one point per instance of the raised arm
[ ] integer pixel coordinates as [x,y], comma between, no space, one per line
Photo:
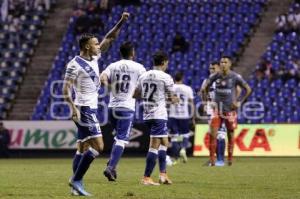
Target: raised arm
[113,33]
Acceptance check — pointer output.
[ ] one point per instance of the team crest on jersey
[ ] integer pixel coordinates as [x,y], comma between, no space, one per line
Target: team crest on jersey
[123,67]
[223,83]
[152,76]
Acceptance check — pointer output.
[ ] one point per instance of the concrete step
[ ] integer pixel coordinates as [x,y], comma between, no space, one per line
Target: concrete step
[26,101]
[29,94]
[37,77]
[42,73]
[20,115]
[47,51]
[23,108]
[37,61]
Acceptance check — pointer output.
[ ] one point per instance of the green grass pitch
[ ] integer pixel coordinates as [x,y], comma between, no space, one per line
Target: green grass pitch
[248,178]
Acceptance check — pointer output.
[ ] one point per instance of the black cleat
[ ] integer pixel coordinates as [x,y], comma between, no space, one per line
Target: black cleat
[109,174]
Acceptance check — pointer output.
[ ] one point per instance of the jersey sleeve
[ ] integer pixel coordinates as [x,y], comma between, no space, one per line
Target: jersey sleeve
[169,84]
[71,71]
[139,83]
[211,79]
[107,71]
[141,70]
[240,81]
[190,93]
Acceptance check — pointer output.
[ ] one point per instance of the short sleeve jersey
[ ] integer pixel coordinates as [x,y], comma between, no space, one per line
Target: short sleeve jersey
[123,76]
[155,86]
[181,110]
[86,80]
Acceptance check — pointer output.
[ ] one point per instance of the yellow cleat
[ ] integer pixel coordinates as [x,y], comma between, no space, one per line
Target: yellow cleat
[149,181]
[164,179]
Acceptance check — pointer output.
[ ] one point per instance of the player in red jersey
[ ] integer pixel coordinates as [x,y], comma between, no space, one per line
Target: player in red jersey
[227,103]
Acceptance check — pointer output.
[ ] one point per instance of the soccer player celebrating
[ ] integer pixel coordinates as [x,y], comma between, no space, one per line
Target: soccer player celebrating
[180,117]
[121,78]
[227,103]
[154,86]
[82,74]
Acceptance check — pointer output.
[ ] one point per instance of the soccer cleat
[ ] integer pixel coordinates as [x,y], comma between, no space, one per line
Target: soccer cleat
[229,163]
[164,179]
[74,192]
[183,155]
[209,164]
[220,163]
[114,172]
[109,174]
[175,162]
[149,181]
[77,185]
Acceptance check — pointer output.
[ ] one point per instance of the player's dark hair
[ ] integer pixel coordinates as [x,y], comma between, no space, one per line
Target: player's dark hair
[227,57]
[179,76]
[215,63]
[84,38]
[159,57]
[126,49]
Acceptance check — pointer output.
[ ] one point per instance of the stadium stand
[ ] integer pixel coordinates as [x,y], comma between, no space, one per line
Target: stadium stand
[276,79]
[19,33]
[209,30]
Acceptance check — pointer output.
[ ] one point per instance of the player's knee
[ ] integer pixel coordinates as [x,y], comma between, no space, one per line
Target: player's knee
[101,148]
[165,141]
[81,147]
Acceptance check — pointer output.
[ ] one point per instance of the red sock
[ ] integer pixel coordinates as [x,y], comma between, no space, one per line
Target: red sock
[212,149]
[230,149]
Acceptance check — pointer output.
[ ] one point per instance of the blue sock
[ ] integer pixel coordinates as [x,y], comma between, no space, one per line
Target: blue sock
[223,145]
[76,160]
[162,153]
[150,162]
[84,163]
[175,149]
[116,154]
[185,142]
[220,149]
